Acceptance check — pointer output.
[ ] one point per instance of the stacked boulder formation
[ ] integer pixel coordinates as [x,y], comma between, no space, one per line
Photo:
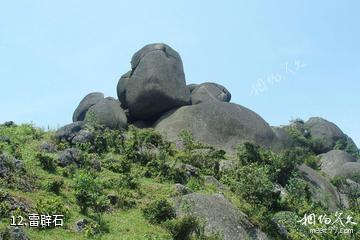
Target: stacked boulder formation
[154,94]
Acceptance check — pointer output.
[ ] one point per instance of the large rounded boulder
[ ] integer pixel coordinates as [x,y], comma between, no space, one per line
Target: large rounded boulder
[327,131]
[332,162]
[156,83]
[320,188]
[88,101]
[206,92]
[108,113]
[220,124]
[220,216]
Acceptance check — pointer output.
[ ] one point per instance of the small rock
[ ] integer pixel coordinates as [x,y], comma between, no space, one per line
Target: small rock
[15,233]
[5,139]
[80,225]
[47,147]
[68,132]
[69,156]
[181,189]
[96,164]
[89,100]
[83,136]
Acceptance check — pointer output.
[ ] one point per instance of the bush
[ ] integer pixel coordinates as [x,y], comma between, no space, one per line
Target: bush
[159,210]
[347,146]
[189,227]
[182,228]
[164,167]
[194,184]
[47,161]
[51,207]
[55,185]
[313,162]
[117,164]
[254,184]
[199,155]
[87,191]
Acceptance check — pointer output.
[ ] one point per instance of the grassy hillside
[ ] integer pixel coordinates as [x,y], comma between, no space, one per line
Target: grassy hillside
[123,183]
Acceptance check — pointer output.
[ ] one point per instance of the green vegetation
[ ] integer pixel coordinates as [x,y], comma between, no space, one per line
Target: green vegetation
[123,184]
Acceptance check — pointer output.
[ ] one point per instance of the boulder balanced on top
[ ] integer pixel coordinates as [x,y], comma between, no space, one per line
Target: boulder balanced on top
[154,94]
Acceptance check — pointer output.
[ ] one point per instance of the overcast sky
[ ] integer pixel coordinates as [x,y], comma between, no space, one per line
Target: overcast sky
[284,59]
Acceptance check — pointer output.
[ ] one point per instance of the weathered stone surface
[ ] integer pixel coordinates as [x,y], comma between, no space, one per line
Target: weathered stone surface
[121,88]
[284,140]
[332,162]
[350,170]
[83,136]
[89,100]
[48,147]
[156,83]
[181,189]
[192,86]
[80,225]
[321,189]
[108,113]
[68,132]
[9,165]
[325,130]
[220,216]
[15,233]
[207,92]
[70,156]
[220,124]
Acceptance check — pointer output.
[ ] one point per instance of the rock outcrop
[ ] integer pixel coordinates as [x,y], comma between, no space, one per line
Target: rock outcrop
[327,131]
[156,83]
[220,124]
[321,189]
[220,216]
[332,162]
[107,112]
[88,101]
[207,92]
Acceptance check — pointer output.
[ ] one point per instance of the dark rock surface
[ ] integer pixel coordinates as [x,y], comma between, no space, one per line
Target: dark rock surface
[220,124]
[68,132]
[220,216]
[83,136]
[108,113]
[192,86]
[14,233]
[156,83]
[48,147]
[89,100]
[70,156]
[207,92]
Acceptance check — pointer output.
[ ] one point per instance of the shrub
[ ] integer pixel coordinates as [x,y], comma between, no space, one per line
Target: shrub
[51,206]
[199,155]
[189,227]
[87,191]
[55,185]
[164,167]
[348,146]
[254,184]
[182,228]
[298,198]
[194,184]
[159,210]
[47,161]
[117,164]
[313,162]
